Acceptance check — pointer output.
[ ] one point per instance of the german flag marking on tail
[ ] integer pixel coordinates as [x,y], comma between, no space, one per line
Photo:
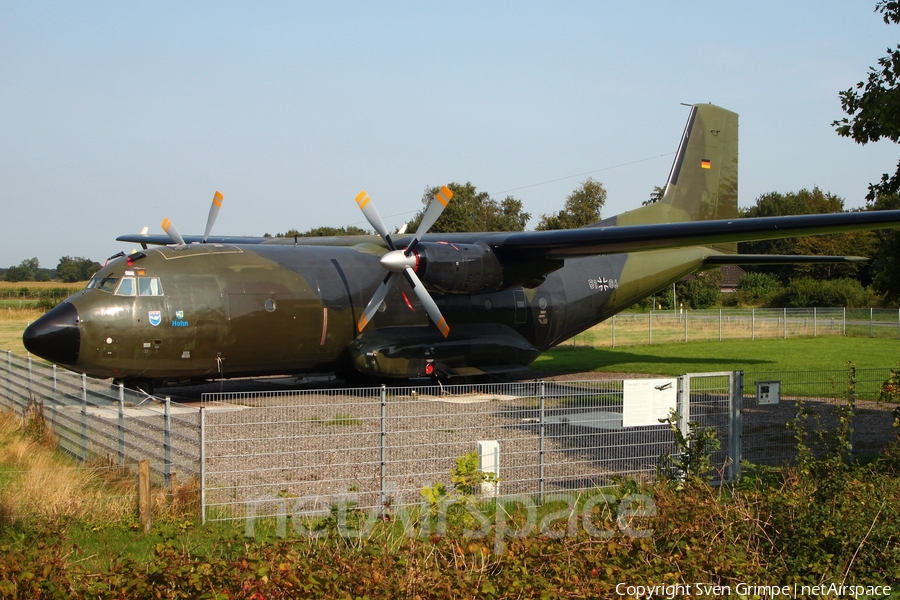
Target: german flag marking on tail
[705,164]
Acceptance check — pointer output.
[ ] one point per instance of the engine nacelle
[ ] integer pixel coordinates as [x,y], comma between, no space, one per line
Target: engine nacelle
[458,268]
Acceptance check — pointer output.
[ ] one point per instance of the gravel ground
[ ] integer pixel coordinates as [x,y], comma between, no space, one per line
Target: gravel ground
[306,446]
[316,446]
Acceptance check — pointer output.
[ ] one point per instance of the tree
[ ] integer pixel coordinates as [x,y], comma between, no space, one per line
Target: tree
[885,263]
[701,290]
[655,196]
[70,270]
[471,210]
[873,107]
[24,272]
[805,202]
[582,207]
[324,231]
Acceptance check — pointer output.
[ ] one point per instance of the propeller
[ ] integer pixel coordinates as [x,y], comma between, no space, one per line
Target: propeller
[169,227]
[404,261]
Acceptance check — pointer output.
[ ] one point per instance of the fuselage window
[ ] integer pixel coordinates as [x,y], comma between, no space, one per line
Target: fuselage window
[149,286]
[108,284]
[126,287]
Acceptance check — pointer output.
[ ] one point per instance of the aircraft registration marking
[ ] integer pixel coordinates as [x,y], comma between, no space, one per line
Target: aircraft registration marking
[603,284]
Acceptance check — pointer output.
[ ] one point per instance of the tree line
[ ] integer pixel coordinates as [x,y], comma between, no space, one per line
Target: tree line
[68,270]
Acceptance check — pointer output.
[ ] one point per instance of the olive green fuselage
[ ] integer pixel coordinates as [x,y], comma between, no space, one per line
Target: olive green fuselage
[230,311]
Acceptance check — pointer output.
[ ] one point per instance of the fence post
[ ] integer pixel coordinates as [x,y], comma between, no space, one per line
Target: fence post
[202,466]
[736,405]
[614,328]
[382,491]
[720,324]
[684,407]
[785,322]
[815,322]
[871,320]
[121,424]
[650,324]
[844,330]
[55,383]
[541,408]
[144,494]
[167,443]
[9,372]
[851,395]
[30,382]
[752,323]
[898,323]
[83,417]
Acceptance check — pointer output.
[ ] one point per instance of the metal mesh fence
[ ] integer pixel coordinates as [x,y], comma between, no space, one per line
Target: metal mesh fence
[766,436]
[381,447]
[378,447]
[661,327]
[93,420]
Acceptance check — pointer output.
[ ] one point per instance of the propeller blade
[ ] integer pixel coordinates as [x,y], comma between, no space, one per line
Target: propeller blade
[371,213]
[169,228]
[434,210]
[213,213]
[375,302]
[402,261]
[425,298]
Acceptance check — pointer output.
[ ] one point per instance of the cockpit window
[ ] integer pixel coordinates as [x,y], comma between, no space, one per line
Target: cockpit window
[92,283]
[108,284]
[149,286]
[126,287]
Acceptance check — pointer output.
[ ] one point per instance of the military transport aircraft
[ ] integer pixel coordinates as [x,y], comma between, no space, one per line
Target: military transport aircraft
[195,308]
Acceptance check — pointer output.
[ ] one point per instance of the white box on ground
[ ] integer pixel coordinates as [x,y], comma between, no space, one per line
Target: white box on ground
[489,462]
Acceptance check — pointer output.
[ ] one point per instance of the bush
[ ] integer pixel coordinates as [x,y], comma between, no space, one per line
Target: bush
[806,291]
[702,290]
[757,289]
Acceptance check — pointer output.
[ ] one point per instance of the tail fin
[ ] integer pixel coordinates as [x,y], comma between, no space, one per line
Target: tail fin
[704,177]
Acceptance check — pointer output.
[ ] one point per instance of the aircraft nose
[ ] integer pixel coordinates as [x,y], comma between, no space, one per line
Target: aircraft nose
[55,336]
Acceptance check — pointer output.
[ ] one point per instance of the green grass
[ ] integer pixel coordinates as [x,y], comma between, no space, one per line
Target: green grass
[793,354]
[343,419]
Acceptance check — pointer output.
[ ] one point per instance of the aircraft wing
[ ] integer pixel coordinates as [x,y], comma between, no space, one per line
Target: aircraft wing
[589,241]
[165,240]
[779,259]
[617,239]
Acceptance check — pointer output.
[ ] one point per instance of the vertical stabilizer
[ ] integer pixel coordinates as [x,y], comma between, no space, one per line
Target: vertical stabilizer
[703,181]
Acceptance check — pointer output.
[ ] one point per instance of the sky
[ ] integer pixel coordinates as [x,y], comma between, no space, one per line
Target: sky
[114,115]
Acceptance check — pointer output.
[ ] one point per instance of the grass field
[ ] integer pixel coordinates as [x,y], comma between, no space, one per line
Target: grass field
[792,354]
[13,322]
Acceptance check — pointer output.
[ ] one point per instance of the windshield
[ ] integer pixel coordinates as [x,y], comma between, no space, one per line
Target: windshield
[108,284]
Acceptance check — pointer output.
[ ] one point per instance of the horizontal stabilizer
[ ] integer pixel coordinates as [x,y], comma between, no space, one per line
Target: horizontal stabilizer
[779,259]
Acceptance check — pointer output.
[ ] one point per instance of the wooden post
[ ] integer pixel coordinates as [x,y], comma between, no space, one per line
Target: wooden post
[144,494]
